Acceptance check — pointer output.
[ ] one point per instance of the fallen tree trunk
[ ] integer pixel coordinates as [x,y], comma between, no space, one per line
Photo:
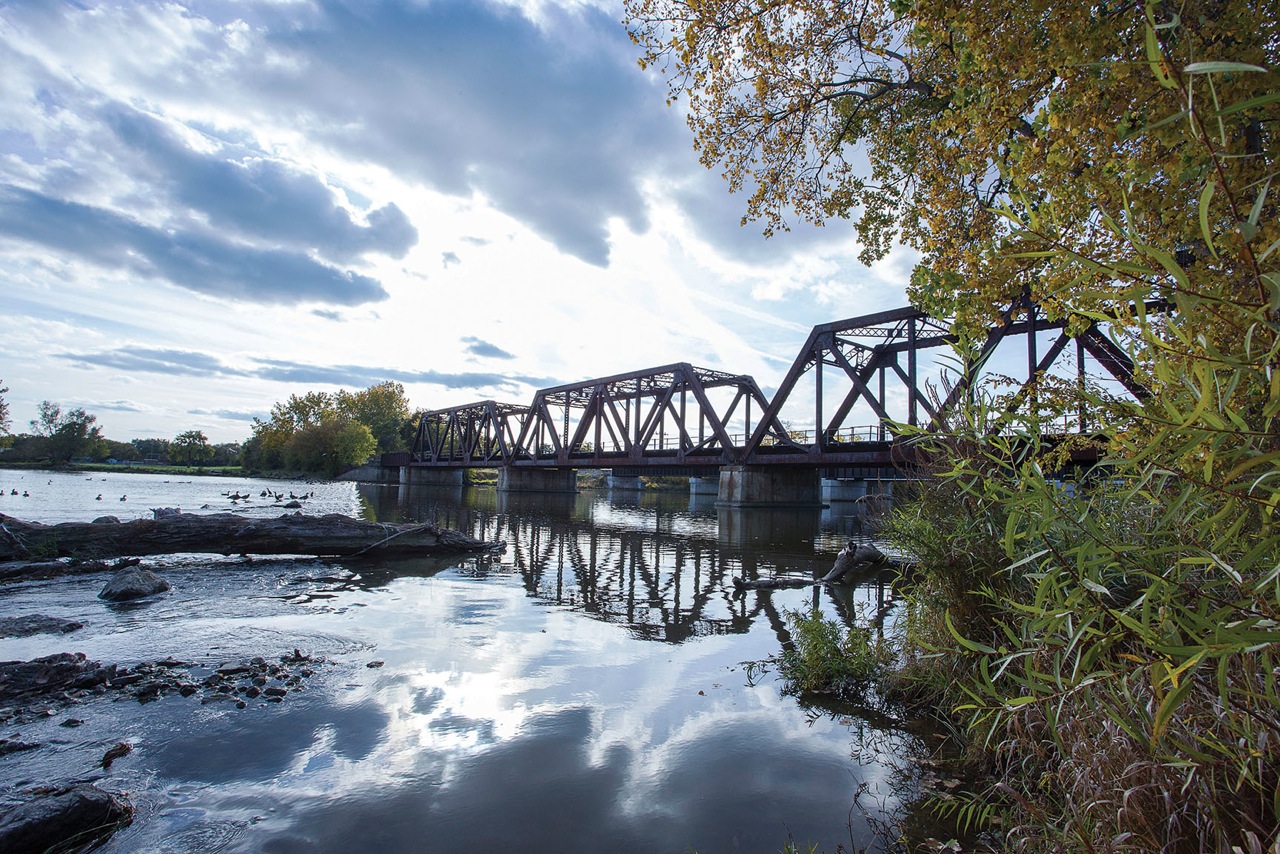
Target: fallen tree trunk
[228,534]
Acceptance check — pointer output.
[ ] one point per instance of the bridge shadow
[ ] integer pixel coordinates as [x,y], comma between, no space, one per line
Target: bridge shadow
[659,564]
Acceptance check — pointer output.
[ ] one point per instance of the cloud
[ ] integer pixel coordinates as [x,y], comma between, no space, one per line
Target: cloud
[364,376]
[190,363]
[448,259]
[119,405]
[328,315]
[194,258]
[230,414]
[550,123]
[150,360]
[715,216]
[258,198]
[483,349]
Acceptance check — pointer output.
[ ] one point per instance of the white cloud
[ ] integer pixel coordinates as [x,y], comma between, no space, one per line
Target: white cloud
[451,181]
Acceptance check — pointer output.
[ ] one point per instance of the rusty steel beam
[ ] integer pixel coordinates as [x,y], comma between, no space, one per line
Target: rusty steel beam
[475,433]
[636,416]
[666,416]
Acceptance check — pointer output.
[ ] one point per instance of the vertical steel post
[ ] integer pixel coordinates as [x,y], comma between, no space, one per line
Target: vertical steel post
[912,392]
[880,373]
[817,402]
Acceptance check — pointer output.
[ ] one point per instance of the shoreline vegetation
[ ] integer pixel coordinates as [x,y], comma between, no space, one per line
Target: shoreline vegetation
[1108,656]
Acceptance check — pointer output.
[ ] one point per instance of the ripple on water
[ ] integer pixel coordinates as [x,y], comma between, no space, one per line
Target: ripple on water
[189,830]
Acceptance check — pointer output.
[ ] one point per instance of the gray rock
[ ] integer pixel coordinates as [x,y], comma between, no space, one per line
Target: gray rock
[57,672]
[107,520]
[133,583]
[71,818]
[35,624]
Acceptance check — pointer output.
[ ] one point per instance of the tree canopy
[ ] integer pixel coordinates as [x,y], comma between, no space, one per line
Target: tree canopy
[67,434]
[190,448]
[324,432]
[951,126]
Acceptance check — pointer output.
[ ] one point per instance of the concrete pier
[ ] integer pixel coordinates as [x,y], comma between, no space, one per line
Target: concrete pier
[413,476]
[371,473]
[704,486]
[625,483]
[537,480]
[843,490]
[769,486]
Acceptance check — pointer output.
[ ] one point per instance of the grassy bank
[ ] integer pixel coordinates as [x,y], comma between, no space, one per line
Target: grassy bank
[1108,657]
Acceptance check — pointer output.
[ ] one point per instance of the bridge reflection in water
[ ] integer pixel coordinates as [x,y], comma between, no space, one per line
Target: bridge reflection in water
[659,563]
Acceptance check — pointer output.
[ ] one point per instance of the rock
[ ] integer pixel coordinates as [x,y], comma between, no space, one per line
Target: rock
[107,520]
[57,672]
[70,818]
[25,570]
[133,583]
[13,745]
[35,624]
[165,512]
[116,751]
[292,505]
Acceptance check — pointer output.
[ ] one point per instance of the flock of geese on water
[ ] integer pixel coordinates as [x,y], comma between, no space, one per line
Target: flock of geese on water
[236,497]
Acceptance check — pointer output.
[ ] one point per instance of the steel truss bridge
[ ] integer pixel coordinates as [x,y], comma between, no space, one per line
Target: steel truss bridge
[684,420]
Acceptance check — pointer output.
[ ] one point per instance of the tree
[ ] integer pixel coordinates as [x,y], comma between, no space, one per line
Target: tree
[67,435]
[191,448]
[152,449]
[382,408]
[122,451]
[315,432]
[948,125]
[353,444]
[5,423]
[226,454]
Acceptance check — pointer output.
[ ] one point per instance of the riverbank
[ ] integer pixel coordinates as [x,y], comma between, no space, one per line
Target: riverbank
[132,468]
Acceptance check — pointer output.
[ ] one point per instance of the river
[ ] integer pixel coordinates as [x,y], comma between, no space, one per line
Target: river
[584,691]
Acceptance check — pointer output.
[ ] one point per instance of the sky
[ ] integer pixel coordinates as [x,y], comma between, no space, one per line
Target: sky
[206,207]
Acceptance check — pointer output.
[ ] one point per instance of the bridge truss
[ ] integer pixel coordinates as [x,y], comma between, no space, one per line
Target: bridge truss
[867,355]
[688,420]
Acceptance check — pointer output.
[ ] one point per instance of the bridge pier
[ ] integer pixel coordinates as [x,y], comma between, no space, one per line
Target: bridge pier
[625,482]
[769,486]
[418,476]
[537,480]
[843,490]
[704,486]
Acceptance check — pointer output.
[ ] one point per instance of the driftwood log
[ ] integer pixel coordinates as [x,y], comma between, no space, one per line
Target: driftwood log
[851,560]
[227,534]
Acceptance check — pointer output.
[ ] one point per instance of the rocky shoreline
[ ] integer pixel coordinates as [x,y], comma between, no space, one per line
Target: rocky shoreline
[71,814]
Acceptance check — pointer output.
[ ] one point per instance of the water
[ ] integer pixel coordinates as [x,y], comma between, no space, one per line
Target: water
[584,691]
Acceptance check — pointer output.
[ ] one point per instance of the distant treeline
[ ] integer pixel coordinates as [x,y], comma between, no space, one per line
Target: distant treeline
[316,432]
